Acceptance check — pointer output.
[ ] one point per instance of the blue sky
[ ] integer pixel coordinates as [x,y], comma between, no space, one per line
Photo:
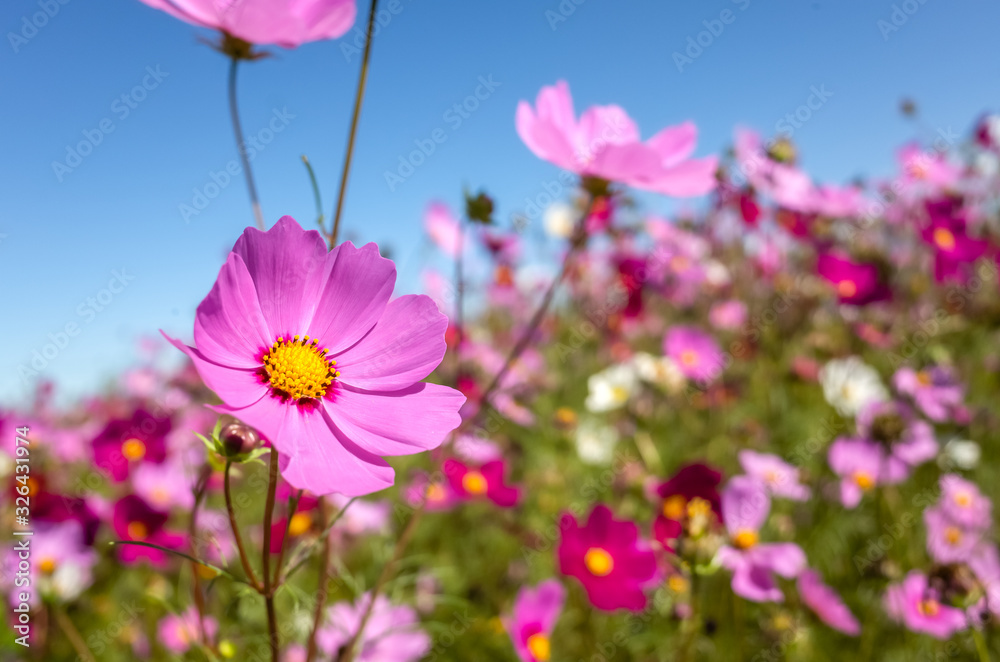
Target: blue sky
[114,221]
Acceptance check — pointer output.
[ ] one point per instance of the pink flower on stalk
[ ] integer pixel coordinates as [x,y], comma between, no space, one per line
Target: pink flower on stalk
[165,485]
[605,143]
[535,613]
[914,604]
[443,228]
[134,519]
[696,353]
[953,247]
[432,494]
[964,503]
[745,506]
[608,558]
[779,478]
[826,604]
[935,390]
[305,346]
[126,442]
[179,632]
[859,464]
[487,481]
[908,442]
[947,540]
[392,632]
[287,23]
[856,283]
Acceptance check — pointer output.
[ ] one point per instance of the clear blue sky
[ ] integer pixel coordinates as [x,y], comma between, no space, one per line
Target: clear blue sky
[119,208]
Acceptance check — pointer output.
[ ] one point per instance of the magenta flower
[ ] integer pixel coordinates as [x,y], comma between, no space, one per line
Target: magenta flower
[745,506]
[134,519]
[305,346]
[696,353]
[125,442]
[608,558]
[779,478]
[535,613]
[826,604]
[432,494]
[856,283]
[909,442]
[605,143]
[486,481]
[392,632]
[860,465]
[935,390]
[287,23]
[914,604]
[953,248]
[180,632]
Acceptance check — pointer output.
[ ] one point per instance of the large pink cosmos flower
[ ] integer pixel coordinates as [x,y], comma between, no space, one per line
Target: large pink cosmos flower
[287,23]
[304,345]
[608,558]
[535,613]
[605,143]
[920,608]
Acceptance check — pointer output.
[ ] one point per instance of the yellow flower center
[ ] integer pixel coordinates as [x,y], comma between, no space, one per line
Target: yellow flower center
[160,496]
[598,562]
[566,416]
[134,449]
[953,535]
[540,647]
[963,499]
[924,378]
[435,492]
[677,583]
[698,508]
[137,531]
[298,369]
[474,483]
[929,607]
[47,565]
[673,507]
[619,393]
[863,480]
[745,539]
[300,524]
[679,263]
[944,239]
[689,357]
[847,288]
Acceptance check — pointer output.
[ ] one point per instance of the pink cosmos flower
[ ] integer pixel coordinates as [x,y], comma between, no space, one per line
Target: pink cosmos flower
[964,503]
[826,604]
[486,481]
[745,506]
[856,283]
[909,442]
[125,442]
[305,346]
[935,390]
[729,315]
[134,519]
[953,247]
[917,606]
[696,353]
[605,143]
[608,558]
[432,494]
[779,478]
[443,228]
[287,23]
[165,486]
[61,565]
[535,613]
[947,540]
[860,465]
[392,632]
[926,168]
[180,632]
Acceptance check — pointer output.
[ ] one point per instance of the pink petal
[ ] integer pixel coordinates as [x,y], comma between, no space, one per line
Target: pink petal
[237,387]
[674,143]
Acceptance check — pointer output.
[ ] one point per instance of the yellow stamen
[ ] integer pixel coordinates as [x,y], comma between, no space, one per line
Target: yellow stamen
[847,288]
[566,416]
[929,607]
[435,492]
[137,531]
[598,562]
[745,539]
[963,499]
[300,524]
[677,584]
[924,378]
[953,535]
[689,357]
[673,507]
[540,647]
[134,449]
[698,508]
[944,239]
[298,369]
[863,480]
[474,483]
[47,565]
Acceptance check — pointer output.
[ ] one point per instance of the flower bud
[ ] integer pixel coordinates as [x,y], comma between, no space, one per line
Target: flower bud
[238,439]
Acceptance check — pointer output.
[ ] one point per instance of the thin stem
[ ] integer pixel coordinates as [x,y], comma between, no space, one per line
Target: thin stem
[324,571]
[349,650]
[238,130]
[459,307]
[272,621]
[293,506]
[320,218]
[247,568]
[74,636]
[199,598]
[303,553]
[167,550]
[981,648]
[358,99]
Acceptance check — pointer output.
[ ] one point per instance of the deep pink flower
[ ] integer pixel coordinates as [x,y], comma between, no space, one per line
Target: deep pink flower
[134,519]
[535,613]
[692,481]
[305,346]
[608,559]
[745,506]
[914,604]
[860,465]
[287,23]
[857,284]
[826,604]
[125,442]
[779,478]
[696,353]
[953,247]
[392,632]
[479,482]
[605,143]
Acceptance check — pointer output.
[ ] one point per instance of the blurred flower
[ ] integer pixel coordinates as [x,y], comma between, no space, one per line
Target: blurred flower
[559,220]
[595,441]
[126,442]
[859,464]
[856,284]
[914,604]
[486,481]
[850,384]
[695,353]
[948,541]
[392,632]
[305,346]
[611,388]
[826,604]
[433,495]
[935,390]
[660,371]
[608,559]
[535,613]
[180,632]
[729,315]
[909,442]
[779,478]
[61,567]
[134,519]
[165,486]
[960,453]
[444,229]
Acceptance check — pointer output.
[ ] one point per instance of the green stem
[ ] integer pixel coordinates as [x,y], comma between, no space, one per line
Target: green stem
[247,568]
[238,130]
[319,201]
[981,648]
[269,588]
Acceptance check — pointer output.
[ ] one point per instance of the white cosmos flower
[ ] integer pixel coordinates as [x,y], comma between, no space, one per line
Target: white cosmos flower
[559,219]
[611,388]
[850,385]
[595,441]
[960,453]
[660,371]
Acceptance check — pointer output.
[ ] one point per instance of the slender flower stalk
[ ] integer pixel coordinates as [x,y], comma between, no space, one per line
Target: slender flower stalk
[358,99]
[269,587]
[238,130]
[74,636]
[321,595]
[247,568]
[981,648]
[199,596]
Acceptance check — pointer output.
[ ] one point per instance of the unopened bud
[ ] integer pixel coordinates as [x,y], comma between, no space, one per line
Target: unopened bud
[238,439]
